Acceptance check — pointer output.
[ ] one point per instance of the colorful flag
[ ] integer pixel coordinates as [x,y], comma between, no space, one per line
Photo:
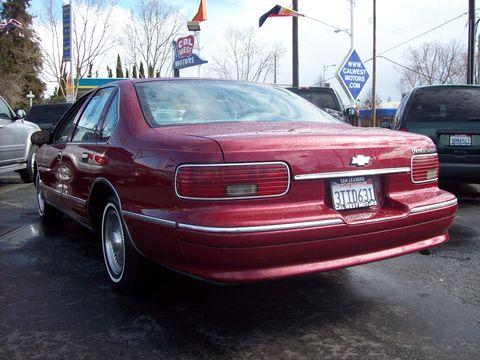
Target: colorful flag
[202,11]
[277,10]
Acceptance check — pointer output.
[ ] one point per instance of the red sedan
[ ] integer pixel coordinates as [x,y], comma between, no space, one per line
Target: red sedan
[236,182]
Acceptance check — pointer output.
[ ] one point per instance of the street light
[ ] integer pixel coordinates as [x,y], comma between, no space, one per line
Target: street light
[325,67]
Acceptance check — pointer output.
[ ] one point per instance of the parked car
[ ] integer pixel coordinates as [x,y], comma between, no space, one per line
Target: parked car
[236,182]
[326,99]
[46,116]
[450,116]
[16,150]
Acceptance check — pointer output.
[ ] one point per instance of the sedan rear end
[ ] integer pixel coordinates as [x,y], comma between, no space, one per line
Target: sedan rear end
[291,194]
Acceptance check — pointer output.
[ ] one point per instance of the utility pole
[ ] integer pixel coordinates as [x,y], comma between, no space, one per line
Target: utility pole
[295,45]
[374,65]
[471,41]
[275,67]
[352,4]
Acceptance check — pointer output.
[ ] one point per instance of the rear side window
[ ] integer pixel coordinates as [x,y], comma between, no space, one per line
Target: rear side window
[445,104]
[111,119]
[87,125]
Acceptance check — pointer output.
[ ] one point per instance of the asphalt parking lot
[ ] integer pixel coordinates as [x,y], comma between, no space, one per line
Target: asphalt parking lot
[55,302]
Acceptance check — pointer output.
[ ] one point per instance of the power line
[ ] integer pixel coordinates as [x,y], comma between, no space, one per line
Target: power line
[409,68]
[413,38]
[420,35]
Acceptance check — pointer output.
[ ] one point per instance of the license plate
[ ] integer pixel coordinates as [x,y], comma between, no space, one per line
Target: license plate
[460,140]
[353,193]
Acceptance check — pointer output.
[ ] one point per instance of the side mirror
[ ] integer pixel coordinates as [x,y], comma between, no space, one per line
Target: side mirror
[21,114]
[350,112]
[385,124]
[40,137]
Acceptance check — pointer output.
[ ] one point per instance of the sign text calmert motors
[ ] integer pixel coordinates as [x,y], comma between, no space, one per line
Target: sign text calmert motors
[184,56]
[353,75]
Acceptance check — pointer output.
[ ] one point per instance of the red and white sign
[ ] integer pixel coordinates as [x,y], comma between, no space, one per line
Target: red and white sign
[185,46]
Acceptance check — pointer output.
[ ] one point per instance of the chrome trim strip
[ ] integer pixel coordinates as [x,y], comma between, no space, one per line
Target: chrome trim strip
[74,198]
[351,173]
[233,164]
[148,218]
[261,228]
[50,188]
[433,206]
[411,167]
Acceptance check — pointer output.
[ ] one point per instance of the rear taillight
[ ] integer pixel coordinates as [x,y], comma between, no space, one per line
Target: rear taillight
[232,181]
[424,168]
[403,129]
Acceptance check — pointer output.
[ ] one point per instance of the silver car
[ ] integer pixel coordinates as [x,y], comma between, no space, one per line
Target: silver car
[16,150]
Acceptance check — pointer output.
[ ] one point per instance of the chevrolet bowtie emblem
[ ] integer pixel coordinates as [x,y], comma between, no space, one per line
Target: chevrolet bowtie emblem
[360,160]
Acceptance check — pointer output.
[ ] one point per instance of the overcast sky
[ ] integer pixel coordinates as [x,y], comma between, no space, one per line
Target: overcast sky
[397,21]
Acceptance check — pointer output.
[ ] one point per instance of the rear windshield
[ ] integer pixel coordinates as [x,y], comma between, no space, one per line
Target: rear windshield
[447,104]
[46,113]
[195,102]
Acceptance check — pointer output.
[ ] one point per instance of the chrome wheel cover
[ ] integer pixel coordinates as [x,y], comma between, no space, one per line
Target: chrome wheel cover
[113,242]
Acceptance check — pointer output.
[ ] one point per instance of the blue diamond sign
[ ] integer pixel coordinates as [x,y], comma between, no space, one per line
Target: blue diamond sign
[353,75]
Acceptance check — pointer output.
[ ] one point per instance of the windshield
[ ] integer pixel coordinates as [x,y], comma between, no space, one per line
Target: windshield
[445,104]
[196,102]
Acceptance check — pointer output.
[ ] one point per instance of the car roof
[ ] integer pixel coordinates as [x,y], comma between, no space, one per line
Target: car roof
[449,86]
[62,105]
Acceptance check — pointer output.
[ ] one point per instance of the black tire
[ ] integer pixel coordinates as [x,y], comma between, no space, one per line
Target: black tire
[124,276]
[47,212]
[28,175]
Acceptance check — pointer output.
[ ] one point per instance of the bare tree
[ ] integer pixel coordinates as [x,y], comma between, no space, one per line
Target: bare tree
[91,33]
[149,33]
[433,63]
[243,56]
[53,67]
[91,38]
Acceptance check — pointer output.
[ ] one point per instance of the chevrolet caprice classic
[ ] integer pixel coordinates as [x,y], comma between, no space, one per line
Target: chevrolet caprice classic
[236,182]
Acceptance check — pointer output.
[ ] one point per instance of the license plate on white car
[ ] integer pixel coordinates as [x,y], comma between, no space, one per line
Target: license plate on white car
[460,140]
[353,193]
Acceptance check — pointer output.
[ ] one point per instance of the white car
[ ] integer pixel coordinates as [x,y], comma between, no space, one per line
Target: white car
[16,150]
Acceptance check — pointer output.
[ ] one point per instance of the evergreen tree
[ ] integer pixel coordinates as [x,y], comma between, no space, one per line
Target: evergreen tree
[134,71]
[141,71]
[109,72]
[157,74]
[20,56]
[126,73]
[150,71]
[119,70]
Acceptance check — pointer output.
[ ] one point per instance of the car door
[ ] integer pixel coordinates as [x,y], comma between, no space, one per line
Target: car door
[79,154]
[12,137]
[49,157]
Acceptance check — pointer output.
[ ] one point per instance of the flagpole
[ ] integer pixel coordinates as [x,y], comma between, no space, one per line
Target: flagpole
[197,35]
[295,45]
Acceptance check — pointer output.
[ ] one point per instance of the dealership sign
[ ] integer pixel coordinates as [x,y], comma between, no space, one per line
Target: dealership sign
[184,56]
[353,75]
[67,40]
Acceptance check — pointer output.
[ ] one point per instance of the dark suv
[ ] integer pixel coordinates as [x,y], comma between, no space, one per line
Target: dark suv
[326,99]
[450,116]
[47,115]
